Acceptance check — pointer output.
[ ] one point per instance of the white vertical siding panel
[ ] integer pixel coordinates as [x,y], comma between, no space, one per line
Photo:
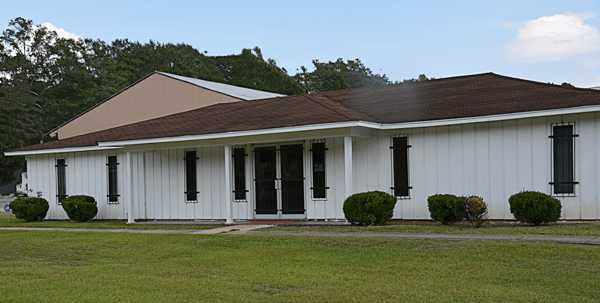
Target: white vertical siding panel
[442,139]
[494,160]
[419,179]
[540,156]
[595,184]
[335,179]
[482,183]
[586,157]
[510,170]
[454,171]
[149,179]
[469,159]
[524,154]
[431,163]
[155,190]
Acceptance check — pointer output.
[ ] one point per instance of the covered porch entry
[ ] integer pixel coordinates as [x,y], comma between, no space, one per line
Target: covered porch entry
[266,177]
[279,177]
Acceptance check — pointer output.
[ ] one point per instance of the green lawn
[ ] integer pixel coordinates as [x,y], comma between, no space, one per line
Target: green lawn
[11,221]
[573,229]
[99,267]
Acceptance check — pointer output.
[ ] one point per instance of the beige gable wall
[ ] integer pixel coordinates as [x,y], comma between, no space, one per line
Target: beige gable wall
[152,97]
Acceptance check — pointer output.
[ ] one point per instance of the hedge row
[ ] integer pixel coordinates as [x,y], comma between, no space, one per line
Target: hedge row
[528,207]
[78,208]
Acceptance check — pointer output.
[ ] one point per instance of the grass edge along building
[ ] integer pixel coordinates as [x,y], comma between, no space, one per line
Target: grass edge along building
[299,157]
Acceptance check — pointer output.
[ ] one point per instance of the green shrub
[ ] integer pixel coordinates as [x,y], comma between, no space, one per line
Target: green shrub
[369,208]
[446,208]
[475,210]
[534,207]
[80,208]
[29,208]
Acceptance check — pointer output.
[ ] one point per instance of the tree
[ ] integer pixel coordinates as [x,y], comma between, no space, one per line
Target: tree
[338,74]
[45,80]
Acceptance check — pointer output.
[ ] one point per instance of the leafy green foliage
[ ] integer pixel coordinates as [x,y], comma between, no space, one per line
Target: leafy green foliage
[338,74]
[46,80]
[475,210]
[534,207]
[80,208]
[446,208]
[369,208]
[29,208]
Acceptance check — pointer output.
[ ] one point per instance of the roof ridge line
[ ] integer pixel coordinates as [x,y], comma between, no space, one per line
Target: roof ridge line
[174,76]
[572,87]
[394,85]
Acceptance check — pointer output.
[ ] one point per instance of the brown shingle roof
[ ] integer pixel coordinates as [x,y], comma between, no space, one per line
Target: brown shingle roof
[455,97]
[462,96]
[223,117]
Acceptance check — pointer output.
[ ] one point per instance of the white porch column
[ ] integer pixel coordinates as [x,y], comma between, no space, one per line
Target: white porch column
[348,166]
[228,208]
[129,191]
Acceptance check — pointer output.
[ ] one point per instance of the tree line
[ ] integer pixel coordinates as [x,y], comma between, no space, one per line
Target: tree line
[45,79]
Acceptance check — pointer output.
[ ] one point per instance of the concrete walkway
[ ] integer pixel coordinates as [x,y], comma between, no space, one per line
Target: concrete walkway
[392,235]
[252,229]
[234,229]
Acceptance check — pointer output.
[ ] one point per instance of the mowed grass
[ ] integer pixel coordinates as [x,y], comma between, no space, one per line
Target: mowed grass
[99,267]
[7,220]
[564,229]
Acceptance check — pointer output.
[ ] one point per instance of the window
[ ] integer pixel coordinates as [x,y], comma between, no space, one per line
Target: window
[191,187]
[61,182]
[113,189]
[318,170]
[239,173]
[563,159]
[400,166]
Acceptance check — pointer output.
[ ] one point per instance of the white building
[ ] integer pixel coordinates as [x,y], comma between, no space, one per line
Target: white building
[299,157]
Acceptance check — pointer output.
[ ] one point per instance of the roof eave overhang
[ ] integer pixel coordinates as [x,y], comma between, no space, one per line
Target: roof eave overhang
[59,150]
[245,133]
[323,126]
[365,124]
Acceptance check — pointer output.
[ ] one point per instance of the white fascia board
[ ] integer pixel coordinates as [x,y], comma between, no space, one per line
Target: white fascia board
[493,118]
[59,150]
[267,131]
[365,124]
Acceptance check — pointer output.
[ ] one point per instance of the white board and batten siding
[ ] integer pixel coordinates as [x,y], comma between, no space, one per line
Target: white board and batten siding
[492,159]
[165,186]
[86,174]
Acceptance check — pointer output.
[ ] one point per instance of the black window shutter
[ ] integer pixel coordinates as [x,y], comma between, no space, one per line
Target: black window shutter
[61,182]
[239,173]
[318,166]
[400,159]
[191,187]
[113,189]
[564,182]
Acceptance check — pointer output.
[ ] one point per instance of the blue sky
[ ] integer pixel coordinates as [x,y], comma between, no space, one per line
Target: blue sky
[551,41]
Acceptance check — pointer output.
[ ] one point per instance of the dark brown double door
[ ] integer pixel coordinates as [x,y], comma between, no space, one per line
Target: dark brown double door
[279,180]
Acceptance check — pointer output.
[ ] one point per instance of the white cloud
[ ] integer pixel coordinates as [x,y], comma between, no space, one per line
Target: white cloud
[60,32]
[551,38]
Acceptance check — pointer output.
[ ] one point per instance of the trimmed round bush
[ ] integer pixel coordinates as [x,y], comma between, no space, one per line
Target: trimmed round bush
[446,208]
[475,210]
[29,208]
[80,208]
[534,207]
[369,208]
